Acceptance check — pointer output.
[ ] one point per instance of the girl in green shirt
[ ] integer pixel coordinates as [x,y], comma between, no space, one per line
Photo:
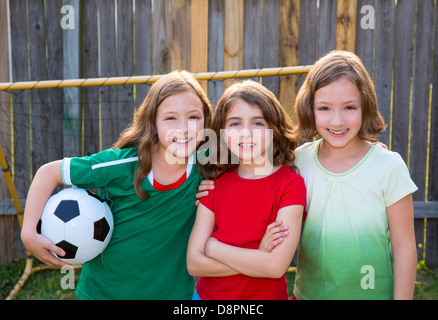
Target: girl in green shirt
[146,256]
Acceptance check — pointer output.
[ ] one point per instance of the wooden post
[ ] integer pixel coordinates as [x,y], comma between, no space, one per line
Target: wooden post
[199,38]
[346,25]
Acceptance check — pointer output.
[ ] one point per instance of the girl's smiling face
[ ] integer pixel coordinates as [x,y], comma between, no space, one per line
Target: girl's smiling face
[245,132]
[179,119]
[338,113]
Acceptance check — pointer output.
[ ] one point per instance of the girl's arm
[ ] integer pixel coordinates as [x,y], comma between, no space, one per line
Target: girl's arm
[47,178]
[258,263]
[401,227]
[198,264]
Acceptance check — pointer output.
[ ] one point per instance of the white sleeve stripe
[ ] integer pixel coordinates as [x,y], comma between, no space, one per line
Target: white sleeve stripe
[113,163]
[66,171]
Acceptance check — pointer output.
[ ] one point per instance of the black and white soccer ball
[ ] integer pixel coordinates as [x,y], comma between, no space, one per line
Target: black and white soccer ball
[79,222]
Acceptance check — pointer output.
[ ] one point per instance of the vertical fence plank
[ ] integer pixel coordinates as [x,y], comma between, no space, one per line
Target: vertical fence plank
[289,38]
[108,94]
[327,25]
[431,256]
[160,45]
[198,37]
[216,20]
[39,129]
[271,41]
[433,153]
[90,63]
[365,29]
[5,115]
[125,64]
[308,35]
[143,46]
[54,71]
[420,95]
[419,238]
[403,49]
[252,39]
[233,39]
[72,96]
[21,151]
[179,34]
[346,25]
[383,61]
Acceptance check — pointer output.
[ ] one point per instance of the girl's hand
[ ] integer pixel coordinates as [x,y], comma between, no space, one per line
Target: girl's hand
[40,247]
[274,235]
[203,188]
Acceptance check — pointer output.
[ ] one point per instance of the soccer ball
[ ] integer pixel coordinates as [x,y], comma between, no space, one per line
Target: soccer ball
[79,222]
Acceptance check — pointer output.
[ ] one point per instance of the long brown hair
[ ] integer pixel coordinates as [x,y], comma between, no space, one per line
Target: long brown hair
[331,67]
[254,94]
[142,133]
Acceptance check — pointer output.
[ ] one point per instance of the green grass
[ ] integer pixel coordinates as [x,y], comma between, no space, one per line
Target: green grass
[46,284]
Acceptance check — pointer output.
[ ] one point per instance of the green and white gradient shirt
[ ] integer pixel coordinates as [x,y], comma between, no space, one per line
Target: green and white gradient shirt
[345,250]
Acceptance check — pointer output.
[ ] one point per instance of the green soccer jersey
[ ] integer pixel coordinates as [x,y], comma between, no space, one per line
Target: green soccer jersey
[146,257]
[345,250]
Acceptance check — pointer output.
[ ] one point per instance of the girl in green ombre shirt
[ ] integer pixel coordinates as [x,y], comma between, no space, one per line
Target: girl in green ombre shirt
[358,240]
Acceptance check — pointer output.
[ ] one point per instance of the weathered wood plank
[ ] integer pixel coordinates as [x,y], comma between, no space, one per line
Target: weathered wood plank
[346,25]
[6,239]
[160,38]
[179,34]
[143,46]
[289,39]
[365,29]
[252,39]
[216,20]
[327,25]
[5,112]
[431,258]
[307,49]
[233,39]
[383,61]
[54,71]
[108,94]
[37,61]
[199,38]
[433,155]
[19,52]
[403,49]
[125,64]
[420,95]
[271,42]
[72,96]
[90,64]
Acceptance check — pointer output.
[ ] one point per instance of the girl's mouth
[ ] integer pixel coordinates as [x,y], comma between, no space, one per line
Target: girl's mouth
[246,145]
[338,133]
[181,141]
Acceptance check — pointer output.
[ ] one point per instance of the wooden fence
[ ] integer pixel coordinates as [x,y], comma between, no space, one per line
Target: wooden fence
[69,39]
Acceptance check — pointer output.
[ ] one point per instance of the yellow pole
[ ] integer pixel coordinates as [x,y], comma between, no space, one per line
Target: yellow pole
[47,84]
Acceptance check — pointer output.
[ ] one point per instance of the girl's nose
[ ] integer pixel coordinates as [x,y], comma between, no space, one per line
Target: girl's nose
[337,120]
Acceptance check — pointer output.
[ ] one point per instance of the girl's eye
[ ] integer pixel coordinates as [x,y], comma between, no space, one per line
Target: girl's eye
[350,108]
[322,108]
[195,117]
[259,124]
[169,118]
[233,124]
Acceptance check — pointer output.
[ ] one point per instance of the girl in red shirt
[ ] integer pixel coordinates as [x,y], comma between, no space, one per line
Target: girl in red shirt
[255,185]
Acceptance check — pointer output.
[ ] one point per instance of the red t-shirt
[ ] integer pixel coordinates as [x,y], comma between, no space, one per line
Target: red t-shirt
[243,209]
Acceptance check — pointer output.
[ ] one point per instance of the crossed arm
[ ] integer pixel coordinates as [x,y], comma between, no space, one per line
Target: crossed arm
[208,257]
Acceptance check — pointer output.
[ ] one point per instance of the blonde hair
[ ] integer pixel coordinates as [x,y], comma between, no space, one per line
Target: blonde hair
[254,94]
[143,134]
[329,68]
